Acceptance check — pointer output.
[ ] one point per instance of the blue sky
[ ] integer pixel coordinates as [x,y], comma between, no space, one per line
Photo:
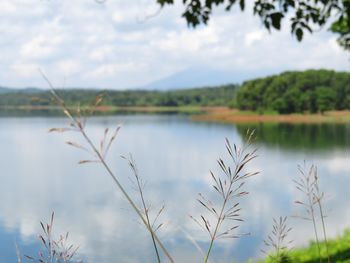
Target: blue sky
[116,45]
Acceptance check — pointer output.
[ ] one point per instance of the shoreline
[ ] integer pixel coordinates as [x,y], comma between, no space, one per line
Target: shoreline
[206,114]
[226,115]
[110,109]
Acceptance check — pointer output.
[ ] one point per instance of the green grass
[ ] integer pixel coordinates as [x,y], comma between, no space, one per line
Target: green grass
[339,250]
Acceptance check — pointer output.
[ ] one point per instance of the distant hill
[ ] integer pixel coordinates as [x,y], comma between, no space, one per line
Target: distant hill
[31,90]
[23,90]
[213,96]
[202,77]
[5,90]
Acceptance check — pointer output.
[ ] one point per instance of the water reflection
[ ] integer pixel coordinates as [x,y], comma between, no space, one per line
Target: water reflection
[301,137]
[40,174]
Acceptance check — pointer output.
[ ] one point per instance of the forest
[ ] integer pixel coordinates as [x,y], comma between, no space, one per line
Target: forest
[296,92]
[308,91]
[210,96]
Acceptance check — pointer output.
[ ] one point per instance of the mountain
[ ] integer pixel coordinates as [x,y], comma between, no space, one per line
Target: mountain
[22,90]
[5,90]
[203,77]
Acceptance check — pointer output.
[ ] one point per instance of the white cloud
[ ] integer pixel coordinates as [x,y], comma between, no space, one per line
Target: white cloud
[69,66]
[101,53]
[99,41]
[107,70]
[339,165]
[7,8]
[25,70]
[40,47]
[188,40]
[253,37]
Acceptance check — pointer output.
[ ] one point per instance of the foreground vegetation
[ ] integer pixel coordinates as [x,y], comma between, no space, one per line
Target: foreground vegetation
[339,251]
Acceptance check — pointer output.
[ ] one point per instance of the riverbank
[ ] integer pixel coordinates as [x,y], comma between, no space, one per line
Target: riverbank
[100,110]
[207,114]
[226,115]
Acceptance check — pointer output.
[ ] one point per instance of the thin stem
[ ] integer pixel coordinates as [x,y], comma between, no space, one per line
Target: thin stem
[18,253]
[109,171]
[318,197]
[278,242]
[314,224]
[146,212]
[228,193]
[121,188]
[324,229]
[50,243]
[215,231]
[209,250]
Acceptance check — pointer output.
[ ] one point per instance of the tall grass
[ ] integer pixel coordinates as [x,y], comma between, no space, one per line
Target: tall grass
[308,185]
[55,250]
[145,208]
[229,186]
[277,241]
[98,154]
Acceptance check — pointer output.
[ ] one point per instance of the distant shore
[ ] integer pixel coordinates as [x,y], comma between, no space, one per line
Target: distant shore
[110,109]
[207,114]
[226,115]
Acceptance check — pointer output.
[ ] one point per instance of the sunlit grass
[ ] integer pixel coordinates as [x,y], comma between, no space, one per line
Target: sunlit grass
[339,250]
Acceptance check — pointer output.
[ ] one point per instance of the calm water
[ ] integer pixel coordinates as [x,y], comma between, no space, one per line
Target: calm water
[40,174]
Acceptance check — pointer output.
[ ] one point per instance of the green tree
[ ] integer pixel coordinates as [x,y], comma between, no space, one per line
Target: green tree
[325,99]
[306,91]
[305,15]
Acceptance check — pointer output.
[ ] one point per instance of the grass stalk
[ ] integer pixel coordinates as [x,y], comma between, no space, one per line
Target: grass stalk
[18,253]
[56,250]
[307,184]
[144,206]
[79,126]
[318,196]
[324,231]
[314,226]
[277,240]
[220,218]
[229,187]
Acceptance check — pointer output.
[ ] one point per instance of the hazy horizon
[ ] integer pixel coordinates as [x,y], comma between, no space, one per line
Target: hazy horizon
[167,83]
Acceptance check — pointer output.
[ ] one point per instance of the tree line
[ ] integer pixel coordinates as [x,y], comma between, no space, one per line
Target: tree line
[207,96]
[307,91]
[290,92]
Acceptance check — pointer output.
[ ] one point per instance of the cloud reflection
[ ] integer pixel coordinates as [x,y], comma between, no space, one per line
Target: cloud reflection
[40,174]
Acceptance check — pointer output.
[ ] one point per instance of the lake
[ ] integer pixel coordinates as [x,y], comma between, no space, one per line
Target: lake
[40,174]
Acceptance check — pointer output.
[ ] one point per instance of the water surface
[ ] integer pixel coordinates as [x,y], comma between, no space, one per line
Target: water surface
[40,174]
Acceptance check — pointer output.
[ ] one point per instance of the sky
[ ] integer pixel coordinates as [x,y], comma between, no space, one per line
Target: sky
[124,44]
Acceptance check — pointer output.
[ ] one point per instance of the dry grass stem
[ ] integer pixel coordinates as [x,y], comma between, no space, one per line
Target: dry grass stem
[308,185]
[18,253]
[56,251]
[223,219]
[98,153]
[318,197]
[277,240]
[139,186]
